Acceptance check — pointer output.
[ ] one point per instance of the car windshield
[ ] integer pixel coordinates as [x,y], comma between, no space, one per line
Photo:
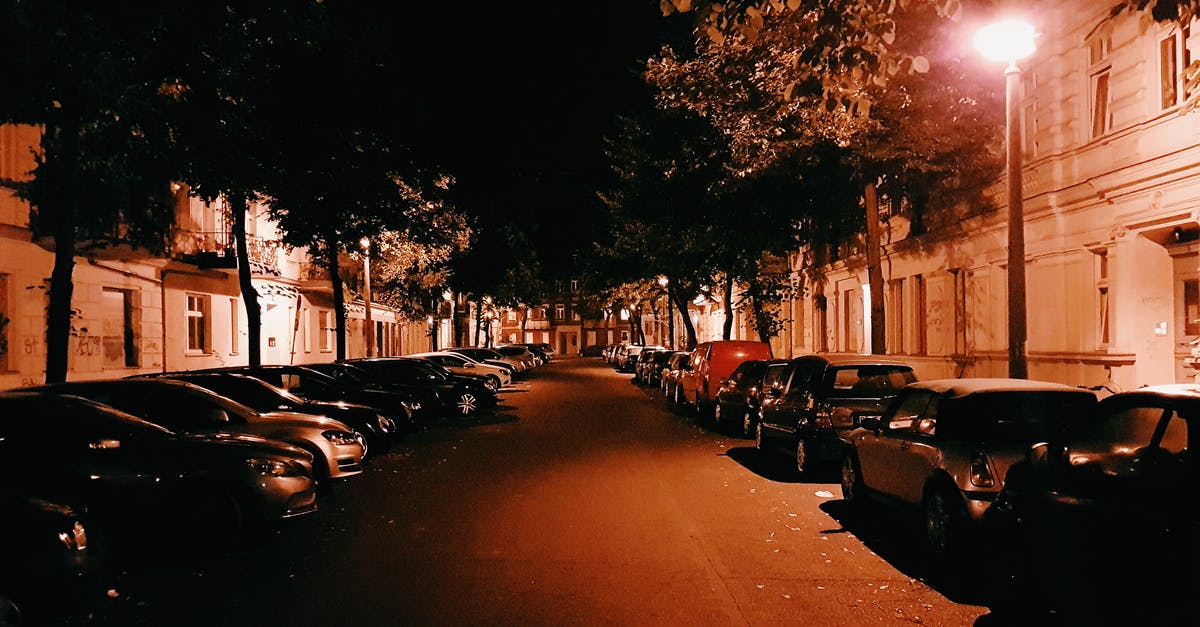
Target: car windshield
[1024,417]
[1127,430]
[345,373]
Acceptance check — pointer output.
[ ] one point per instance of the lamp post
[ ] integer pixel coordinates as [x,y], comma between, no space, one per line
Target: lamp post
[366,246]
[1012,40]
[665,283]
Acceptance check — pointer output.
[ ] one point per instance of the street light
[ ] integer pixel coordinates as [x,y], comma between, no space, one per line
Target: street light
[366,246]
[665,283]
[1012,40]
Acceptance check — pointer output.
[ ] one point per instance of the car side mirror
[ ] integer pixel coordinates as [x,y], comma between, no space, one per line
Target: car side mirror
[105,443]
[870,422]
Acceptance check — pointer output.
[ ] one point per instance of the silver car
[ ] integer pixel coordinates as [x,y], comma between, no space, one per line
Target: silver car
[943,447]
[187,408]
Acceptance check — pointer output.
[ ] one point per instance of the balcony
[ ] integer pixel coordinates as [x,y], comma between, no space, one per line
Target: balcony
[215,249]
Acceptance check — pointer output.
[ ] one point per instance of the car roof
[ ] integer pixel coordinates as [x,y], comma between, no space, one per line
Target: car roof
[853,360]
[1178,393]
[956,388]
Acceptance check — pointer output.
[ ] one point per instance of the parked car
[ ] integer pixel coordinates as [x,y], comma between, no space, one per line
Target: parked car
[490,356]
[714,361]
[522,354]
[186,408]
[542,349]
[823,398]
[628,355]
[739,399]
[1106,513]
[641,365]
[463,397]
[373,430]
[678,365]
[401,407]
[654,370]
[136,477]
[943,448]
[45,560]
[437,397]
[461,364]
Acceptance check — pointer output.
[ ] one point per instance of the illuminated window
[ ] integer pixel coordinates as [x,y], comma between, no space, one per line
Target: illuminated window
[560,312]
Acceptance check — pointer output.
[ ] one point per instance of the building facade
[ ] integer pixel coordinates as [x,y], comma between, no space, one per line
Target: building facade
[136,312]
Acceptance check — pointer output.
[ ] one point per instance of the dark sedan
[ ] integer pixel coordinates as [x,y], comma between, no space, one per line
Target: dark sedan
[134,475]
[823,398]
[454,396]
[373,430]
[1105,518]
[739,399]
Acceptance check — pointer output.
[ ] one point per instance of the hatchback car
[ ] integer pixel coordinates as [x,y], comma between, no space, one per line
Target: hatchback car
[1086,517]
[490,356]
[943,447]
[459,394]
[677,365]
[186,408]
[821,400]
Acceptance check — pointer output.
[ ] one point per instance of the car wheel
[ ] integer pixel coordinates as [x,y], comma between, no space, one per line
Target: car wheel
[945,522]
[467,404]
[717,414]
[677,396]
[747,423]
[219,517]
[758,437]
[496,383]
[803,463]
[851,481]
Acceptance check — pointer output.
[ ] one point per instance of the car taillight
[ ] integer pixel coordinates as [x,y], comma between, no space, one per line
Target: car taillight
[981,472]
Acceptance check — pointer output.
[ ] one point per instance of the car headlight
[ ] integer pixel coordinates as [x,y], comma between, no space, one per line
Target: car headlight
[274,467]
[342,438]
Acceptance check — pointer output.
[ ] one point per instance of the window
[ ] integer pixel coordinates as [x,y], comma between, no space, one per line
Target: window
[197,324]
[560,312]
[121,342]
[920,345]
[1099,46]
[574,315]
[1103,315]
[235,334]
[895,316]
[1191,307]
[306,318]
[325,321]
[574,285]
[5,323]
[961,346]
[1173,57]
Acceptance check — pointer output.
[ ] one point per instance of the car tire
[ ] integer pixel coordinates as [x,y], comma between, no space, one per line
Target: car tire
[803,457]
[716,414]
[748,423]
[851,480]
[220,517]
[759,445]
[677,397]
[362,440]
[467,404]
[945,521]
[496,382]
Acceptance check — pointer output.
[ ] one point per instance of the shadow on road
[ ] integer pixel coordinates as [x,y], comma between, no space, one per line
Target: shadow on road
[775,468]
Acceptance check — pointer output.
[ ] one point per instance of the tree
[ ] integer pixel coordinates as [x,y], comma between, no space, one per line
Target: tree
[89,77]
[884,134]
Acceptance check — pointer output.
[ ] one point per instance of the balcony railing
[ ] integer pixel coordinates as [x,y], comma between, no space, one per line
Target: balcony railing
[215,249]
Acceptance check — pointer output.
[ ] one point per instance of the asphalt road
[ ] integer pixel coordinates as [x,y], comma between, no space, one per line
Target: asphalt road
[582,501]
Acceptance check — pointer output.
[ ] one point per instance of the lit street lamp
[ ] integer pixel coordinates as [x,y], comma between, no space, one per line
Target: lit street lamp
[366,246]
[665,283]
[1012,40]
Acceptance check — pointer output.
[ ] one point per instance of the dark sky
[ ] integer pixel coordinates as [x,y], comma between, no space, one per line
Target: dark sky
[515,98]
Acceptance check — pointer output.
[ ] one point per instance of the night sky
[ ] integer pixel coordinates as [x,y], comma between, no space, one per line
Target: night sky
[514,99]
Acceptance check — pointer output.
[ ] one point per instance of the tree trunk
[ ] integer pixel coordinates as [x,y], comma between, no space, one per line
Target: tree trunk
[478,320]
[875,272]
[727,330]
[670,315]
[339,299]
[58,311]
[681,305]
[237,208]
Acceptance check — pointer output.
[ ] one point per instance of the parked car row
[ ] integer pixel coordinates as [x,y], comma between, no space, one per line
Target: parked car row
[1067,491]
[205,456]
